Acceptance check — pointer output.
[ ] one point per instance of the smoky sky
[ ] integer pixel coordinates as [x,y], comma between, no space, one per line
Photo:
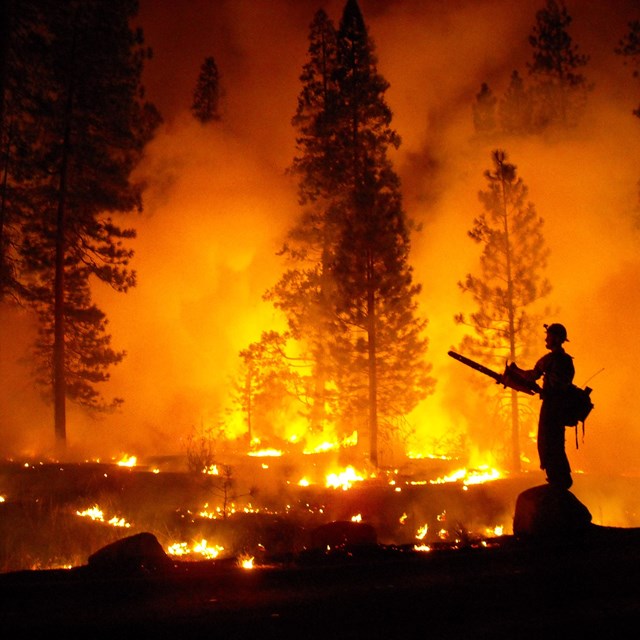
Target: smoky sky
[219,201]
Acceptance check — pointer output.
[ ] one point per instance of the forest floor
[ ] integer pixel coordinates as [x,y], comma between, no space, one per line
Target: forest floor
[469,585]
[512,589]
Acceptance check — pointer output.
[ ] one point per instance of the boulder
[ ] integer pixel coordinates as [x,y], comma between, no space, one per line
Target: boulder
[547,511]
[140,552]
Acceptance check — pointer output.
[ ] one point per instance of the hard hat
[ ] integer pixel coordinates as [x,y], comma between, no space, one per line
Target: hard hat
[557,330]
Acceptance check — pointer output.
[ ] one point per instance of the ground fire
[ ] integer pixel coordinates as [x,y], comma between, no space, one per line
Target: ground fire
[56,514]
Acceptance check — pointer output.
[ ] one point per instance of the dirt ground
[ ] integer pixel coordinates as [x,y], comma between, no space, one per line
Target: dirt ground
[511,589]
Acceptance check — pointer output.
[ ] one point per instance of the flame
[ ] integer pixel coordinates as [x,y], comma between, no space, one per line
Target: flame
[127,461]
[414,455]
[246,562]
[262,453]
[326,445]
[344,479]
[422,532]
[470,476]
[95,513]
[201,548]
[211,470]
[321,448]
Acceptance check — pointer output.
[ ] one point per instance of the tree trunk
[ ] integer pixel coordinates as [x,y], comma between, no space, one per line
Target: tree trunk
[59,380]
[373,373]
[515,433]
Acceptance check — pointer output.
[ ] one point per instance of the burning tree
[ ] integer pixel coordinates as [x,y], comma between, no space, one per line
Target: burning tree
[349,298]
[306,292]
[510,281]
[83,125]
[268,383]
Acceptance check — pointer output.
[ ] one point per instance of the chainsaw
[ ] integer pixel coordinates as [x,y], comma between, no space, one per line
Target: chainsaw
[513,377]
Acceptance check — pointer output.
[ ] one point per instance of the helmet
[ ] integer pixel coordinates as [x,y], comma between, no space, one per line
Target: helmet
[557,330]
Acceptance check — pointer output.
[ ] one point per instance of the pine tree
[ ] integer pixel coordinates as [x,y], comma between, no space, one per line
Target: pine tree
[561,88]
[349,298]
[383,369]
[21,42]
[629,47]
[206,96]
[268,385]
[511,278]
[90,138]
[484,110]
[305,291]
[516,108]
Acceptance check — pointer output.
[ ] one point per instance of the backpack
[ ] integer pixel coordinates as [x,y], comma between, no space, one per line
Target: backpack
[577,407]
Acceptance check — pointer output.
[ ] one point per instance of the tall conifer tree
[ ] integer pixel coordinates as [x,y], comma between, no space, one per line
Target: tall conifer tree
[206,96]
[629,48]
[510,281]
[560,86]
[383,372]
[516,107]
[305,292]
[92,131]
[349,299]
[484,111]
[21,44]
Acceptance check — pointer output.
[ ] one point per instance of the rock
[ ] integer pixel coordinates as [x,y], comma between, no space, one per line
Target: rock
[546,511]
[140,552]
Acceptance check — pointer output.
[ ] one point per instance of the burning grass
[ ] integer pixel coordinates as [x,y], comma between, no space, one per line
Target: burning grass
[55,515]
